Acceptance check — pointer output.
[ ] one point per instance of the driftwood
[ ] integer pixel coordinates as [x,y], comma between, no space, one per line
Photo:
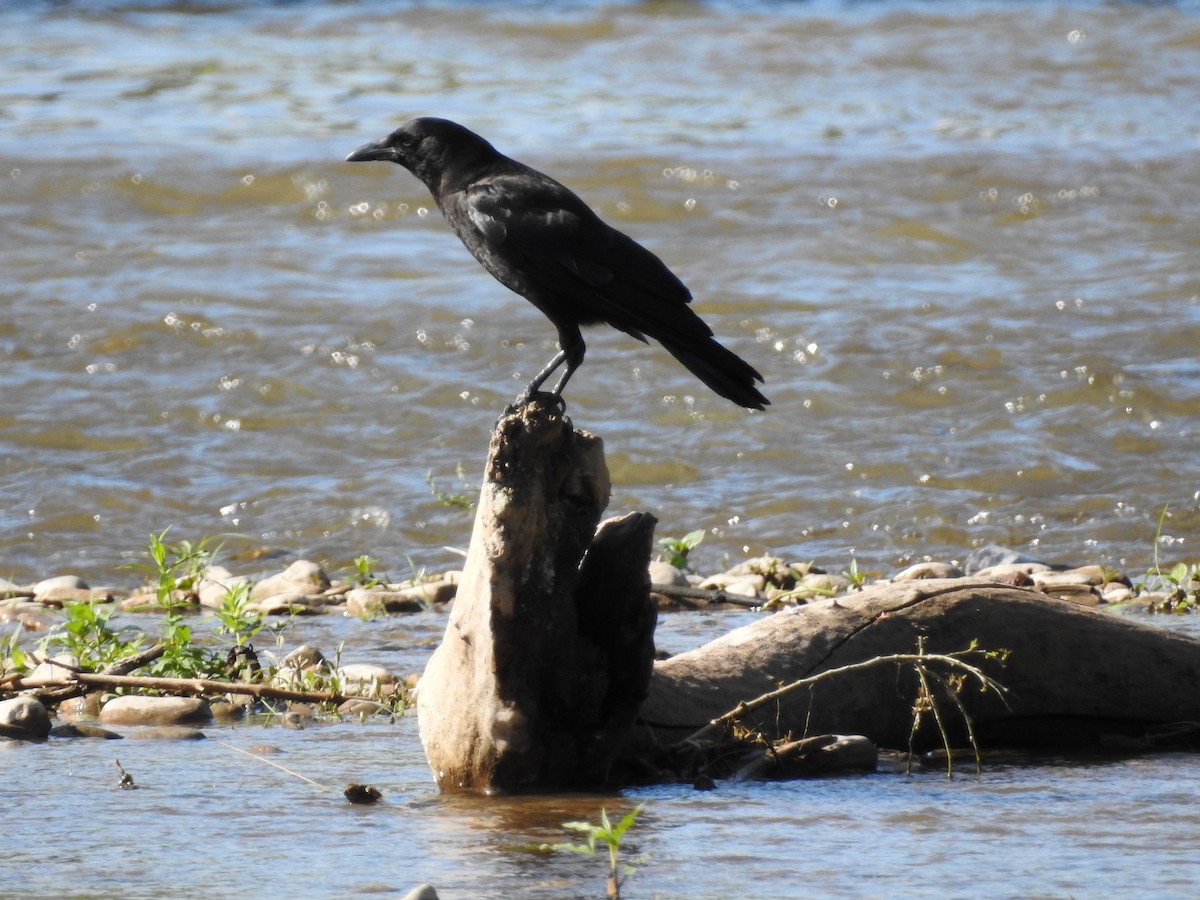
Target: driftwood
[1075,678]
[549,647]
[544,677]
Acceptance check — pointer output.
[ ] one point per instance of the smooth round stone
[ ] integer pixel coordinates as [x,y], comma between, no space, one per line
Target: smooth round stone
[72,730]
[373,601]
[56,668]
[928,570]
[24,718]
[216,585]
[366,679]
[991,555]
[665,573]
[302,657]
[168,733]
[747,586]
[301,577]
[59,583]
[286,605]
[137,710]
[76,709]
[1005,571]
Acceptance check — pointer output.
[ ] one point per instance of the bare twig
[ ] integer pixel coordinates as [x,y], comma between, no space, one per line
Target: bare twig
[951,661]
[685,594]
[190,686]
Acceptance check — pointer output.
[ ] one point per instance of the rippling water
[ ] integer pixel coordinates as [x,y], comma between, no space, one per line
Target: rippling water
[960,240]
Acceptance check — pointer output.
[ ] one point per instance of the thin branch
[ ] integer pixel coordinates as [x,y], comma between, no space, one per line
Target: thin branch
[188,686]
[937,717]
[951,661]
[55,692]
[962,710]
[684,594]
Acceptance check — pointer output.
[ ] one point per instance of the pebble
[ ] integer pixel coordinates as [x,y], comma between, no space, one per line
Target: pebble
[58,583]
[366,680]
[216,584]
[929,570]
[167,733]
[61,595]
[360,708]
[286,604]
[30,615]
[82,730]
[1004,572]
[398,598]
[665,573]
[56,668]
[24,718]
[147,601]
[133,709]
[994,555]
[301,577]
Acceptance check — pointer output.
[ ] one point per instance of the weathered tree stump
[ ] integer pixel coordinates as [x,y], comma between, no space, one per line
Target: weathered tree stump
[1076,678]
[545,678]
[549,645]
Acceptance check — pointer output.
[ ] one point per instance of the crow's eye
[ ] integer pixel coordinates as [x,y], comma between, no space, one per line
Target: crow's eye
[406,140]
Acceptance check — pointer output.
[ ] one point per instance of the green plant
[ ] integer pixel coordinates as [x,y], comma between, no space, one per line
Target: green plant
[363,565]
[1180,583]
[176,569]
[676,550]
[462,501]
[85,633]
[608,834]
[234,616]
[12,657]
[857,579]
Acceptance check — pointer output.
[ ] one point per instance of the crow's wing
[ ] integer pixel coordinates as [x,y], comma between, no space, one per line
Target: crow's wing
[538,238]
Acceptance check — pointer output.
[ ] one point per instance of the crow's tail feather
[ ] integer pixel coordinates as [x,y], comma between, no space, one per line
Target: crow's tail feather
[722,370]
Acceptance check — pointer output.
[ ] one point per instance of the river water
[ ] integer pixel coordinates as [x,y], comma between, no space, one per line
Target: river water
[959,240]
[209,821]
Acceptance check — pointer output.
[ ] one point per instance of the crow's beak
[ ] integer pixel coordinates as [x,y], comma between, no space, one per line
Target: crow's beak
[376,150]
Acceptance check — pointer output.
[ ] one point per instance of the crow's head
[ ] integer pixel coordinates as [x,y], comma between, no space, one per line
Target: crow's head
[435,150]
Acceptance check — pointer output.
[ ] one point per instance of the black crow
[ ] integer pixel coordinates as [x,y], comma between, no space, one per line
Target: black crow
[537,238]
